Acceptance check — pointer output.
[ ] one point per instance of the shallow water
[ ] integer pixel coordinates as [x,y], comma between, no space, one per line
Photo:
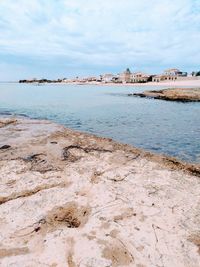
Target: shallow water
[159,126]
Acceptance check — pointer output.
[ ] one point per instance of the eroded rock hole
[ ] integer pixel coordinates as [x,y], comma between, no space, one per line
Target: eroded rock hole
[70,215]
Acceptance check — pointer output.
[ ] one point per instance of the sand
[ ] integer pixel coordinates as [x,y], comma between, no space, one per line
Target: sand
[73,199]
[185,83]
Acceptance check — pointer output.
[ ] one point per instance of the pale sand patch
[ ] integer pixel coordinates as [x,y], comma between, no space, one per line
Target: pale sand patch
[185,83]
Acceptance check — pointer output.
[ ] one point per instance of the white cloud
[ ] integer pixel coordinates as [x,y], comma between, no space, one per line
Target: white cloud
[103,32]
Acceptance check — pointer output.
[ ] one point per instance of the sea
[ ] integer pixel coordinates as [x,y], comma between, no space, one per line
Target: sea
[162,127]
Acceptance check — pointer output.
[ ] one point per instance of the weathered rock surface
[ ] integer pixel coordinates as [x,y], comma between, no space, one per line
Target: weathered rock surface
[177,94]
[72,199]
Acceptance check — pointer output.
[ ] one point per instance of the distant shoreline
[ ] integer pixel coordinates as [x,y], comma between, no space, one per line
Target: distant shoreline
[191,83]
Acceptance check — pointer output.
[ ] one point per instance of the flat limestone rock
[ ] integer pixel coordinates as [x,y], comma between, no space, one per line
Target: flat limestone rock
[73,199]
[177,94]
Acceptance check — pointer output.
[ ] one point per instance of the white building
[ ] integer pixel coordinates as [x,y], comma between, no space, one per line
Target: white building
[170,75]
[107,78]
[175,72]
[140,77]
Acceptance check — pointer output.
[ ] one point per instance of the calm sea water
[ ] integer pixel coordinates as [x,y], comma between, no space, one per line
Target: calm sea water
[162,127]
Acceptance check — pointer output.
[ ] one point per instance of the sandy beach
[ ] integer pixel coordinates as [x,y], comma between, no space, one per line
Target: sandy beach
[74,199]
[185,83]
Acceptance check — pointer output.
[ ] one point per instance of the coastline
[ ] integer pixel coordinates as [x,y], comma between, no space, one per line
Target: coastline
[168,161]
[185,83]
[93,200]
[183,95]
[191,83]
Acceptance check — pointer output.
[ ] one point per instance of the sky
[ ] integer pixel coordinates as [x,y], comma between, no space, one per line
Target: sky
[66,38]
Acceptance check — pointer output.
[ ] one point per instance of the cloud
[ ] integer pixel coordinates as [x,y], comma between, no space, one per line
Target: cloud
[101,34]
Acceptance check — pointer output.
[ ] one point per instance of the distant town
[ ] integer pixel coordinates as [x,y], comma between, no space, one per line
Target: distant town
[126,77]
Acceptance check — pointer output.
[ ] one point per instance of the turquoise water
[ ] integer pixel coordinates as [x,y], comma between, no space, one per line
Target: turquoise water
[159,126]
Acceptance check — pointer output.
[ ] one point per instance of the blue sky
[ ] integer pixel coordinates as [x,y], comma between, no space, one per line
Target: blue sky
[63,38]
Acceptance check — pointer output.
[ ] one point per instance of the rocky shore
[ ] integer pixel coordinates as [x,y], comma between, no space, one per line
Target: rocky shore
[177,94]
[73,199]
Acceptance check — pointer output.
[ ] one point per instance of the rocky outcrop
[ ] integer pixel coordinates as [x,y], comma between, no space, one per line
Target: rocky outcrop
[178,94]
[73,199]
